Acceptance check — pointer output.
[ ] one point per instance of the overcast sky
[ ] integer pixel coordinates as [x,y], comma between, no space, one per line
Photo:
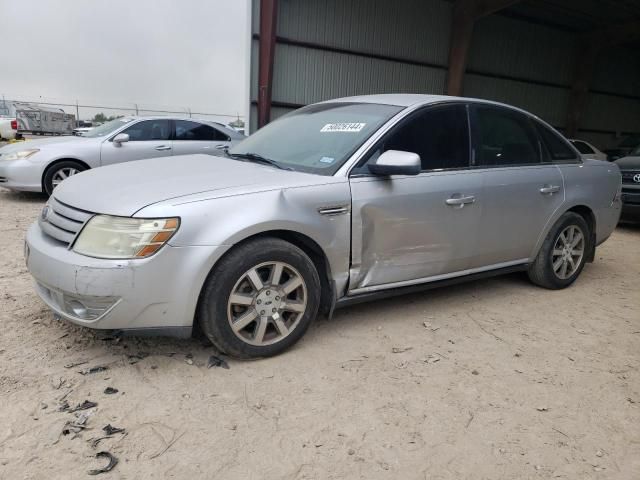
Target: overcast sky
[158,53]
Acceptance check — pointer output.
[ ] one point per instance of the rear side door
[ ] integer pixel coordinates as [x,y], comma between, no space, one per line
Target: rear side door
[196,137]
[521,188]
[147,139]
[411,229]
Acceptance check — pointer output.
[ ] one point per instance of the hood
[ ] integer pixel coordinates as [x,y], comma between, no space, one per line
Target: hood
[43,142]
[126,188]
[628,163]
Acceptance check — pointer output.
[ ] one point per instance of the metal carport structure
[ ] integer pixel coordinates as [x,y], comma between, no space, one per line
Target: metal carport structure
[574,63]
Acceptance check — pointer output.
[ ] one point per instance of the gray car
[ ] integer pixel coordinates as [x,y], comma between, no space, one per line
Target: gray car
[335,203]
[40,165]
[630,169]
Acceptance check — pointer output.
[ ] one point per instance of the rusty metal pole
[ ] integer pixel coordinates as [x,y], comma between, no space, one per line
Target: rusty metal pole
[461,33]
[465,15]
[585,58]
[268,23]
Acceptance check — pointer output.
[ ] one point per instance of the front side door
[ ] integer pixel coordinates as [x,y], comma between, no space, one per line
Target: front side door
[147,139]
[409,229]
[195,137]
[521,189]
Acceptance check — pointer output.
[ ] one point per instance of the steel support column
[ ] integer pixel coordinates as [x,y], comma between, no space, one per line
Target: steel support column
[585,62]
[267,43]
[465,15]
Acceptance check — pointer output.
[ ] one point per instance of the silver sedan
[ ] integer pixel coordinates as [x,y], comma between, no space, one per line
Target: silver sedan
[336,203]
[40,165]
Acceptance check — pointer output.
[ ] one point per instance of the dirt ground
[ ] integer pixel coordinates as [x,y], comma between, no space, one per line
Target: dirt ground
[494,379]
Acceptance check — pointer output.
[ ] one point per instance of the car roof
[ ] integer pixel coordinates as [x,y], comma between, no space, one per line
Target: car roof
[413,99]
[220,126]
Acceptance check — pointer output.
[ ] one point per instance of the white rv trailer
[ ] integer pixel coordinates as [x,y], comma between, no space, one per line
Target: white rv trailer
[39,120]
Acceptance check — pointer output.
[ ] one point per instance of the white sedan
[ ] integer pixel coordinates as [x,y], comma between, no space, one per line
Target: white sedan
[588,151]
[40,165]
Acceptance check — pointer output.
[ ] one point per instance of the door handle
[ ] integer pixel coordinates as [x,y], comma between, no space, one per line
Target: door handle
[163,147]
[460,201]
[549,189]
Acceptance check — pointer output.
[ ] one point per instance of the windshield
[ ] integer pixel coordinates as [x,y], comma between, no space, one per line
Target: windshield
[636,151]
[318,138]
[107,128]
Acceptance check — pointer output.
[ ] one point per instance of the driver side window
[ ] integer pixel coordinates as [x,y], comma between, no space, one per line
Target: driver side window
[149,130]
[440,135]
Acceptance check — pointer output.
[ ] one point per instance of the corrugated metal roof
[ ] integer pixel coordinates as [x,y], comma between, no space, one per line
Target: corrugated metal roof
[535,52]
[606,113]
[416,29]
[618,71]
[305,76]
[548,103]
[503,46]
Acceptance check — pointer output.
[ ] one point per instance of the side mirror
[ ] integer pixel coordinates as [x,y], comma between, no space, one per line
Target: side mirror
[395,162]
[120,138]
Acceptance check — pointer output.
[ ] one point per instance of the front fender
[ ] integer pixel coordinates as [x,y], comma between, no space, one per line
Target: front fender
[228,221]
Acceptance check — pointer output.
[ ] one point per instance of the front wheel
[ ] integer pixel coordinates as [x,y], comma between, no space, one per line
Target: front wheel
[260,299]
[60,172]
[563,253]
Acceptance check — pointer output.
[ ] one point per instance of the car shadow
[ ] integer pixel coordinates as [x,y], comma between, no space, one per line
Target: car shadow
[471,289]
[24,197]
[197,349]
[629,227]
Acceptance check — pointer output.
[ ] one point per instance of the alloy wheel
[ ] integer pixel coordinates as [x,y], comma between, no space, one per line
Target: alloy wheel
[63,174]
[568,251]
[267,303]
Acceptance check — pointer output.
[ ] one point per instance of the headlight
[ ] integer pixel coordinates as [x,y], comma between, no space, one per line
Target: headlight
[19,155]
[105,236]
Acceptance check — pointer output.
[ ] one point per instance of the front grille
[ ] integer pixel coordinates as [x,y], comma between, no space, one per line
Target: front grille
[3,179]
[61,221]
[627,176]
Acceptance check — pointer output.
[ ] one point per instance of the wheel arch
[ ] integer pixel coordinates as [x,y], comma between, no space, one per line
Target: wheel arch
[305,243]
[56,162]
[589,217]
[580,209]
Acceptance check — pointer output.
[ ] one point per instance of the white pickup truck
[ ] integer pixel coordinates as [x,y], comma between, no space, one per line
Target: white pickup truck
[8,128]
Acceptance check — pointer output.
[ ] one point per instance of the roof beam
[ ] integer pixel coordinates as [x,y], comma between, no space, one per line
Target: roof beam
[589,47]
[465,15]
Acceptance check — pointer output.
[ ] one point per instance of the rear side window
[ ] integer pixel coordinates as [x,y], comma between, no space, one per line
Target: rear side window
[439,135]
[504,138]
[186,130]
[557,147]
[582,147]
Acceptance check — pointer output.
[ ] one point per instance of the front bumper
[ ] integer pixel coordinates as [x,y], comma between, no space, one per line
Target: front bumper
[158,293]
[21,175]
[630,213]
[630,204]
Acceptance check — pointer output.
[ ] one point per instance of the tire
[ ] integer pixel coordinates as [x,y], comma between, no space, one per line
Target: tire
[53,174]
[268,320]
[557,266]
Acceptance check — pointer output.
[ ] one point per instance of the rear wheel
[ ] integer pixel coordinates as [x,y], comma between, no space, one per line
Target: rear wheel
[60,172]
[260,299]
[563,253]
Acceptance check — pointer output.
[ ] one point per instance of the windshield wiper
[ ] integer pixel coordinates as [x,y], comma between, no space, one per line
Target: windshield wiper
[254,157]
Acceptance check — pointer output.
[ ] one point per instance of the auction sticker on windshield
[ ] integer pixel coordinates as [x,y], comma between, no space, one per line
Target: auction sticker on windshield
[343,127]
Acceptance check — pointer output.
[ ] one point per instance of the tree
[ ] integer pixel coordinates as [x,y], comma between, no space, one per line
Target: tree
[237,123]
[100,118]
